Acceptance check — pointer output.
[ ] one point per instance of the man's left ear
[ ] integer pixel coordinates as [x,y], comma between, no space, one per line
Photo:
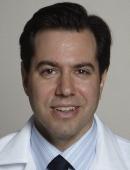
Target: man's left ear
[103,79]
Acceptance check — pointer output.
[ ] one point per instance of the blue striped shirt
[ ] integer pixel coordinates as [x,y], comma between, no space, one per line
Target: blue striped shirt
[79,155]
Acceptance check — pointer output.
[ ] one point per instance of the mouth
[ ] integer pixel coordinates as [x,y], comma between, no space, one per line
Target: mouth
[66,109]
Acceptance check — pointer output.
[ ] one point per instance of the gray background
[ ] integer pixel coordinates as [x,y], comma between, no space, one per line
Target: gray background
[114,107]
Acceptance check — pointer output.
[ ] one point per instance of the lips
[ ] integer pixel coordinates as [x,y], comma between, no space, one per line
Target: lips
[66,109]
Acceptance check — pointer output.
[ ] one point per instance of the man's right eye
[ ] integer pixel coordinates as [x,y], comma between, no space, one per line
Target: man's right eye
[48,72]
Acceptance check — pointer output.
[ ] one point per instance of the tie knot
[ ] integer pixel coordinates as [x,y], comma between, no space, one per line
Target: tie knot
[59,163]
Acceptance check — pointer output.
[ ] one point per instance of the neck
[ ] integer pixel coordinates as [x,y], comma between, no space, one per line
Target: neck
[64,142]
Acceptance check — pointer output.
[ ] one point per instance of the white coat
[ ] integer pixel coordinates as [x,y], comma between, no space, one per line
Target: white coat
[112,151]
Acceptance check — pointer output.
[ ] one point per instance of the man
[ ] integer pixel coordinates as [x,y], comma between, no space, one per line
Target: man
[65,57]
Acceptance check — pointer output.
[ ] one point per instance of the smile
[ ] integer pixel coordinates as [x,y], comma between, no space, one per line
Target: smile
[66,109]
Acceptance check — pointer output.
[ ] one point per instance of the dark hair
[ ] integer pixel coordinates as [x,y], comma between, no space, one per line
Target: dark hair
[66,16]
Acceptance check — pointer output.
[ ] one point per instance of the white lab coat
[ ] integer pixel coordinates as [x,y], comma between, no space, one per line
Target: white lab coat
[112,152]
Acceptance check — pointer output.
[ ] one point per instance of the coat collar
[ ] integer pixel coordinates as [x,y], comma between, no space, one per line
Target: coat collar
[108,154]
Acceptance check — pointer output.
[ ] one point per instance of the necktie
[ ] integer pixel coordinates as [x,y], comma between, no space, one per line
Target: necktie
[59,163]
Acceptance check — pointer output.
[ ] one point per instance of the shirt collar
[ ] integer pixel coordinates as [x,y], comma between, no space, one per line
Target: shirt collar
[79,155]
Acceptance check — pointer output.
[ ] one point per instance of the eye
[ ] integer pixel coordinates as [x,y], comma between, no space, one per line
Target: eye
[82,72]
[48,72]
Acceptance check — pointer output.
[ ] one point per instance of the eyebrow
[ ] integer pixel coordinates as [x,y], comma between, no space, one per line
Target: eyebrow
[42,63]
[55,64]
[84,64]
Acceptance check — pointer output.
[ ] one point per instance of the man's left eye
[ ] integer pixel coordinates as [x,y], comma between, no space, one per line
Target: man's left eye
[82,72]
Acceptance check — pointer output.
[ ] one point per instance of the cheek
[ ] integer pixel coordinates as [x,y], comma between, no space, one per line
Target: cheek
[40,91]
[40,98]
[90,91]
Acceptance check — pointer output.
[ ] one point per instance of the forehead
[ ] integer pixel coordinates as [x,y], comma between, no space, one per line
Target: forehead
[60,44]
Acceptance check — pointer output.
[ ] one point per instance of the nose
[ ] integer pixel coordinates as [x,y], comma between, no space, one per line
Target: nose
[65,86]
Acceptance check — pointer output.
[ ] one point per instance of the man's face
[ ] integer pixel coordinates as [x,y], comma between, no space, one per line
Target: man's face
[63,84]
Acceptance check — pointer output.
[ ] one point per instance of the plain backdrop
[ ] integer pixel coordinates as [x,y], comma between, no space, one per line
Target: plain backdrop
[114,107]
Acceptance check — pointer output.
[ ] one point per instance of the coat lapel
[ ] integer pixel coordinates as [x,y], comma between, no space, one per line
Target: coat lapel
[30,164]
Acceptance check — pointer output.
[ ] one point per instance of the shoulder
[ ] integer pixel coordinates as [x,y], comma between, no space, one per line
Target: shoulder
[118,144]
[5,140]
[18,138]
[124,145]
[123,141]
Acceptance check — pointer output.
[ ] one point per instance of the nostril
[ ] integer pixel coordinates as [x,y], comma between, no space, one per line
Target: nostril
[65,88]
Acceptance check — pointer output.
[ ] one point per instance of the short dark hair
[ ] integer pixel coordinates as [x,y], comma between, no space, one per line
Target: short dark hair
[66,16]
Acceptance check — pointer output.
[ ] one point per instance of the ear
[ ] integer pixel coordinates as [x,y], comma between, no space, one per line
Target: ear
[24,78]
[103,79]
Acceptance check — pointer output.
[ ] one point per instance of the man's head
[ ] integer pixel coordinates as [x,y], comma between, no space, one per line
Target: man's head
[71,17]
[65,57]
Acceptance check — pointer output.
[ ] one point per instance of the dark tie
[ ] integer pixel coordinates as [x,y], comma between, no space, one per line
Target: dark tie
[59,163]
